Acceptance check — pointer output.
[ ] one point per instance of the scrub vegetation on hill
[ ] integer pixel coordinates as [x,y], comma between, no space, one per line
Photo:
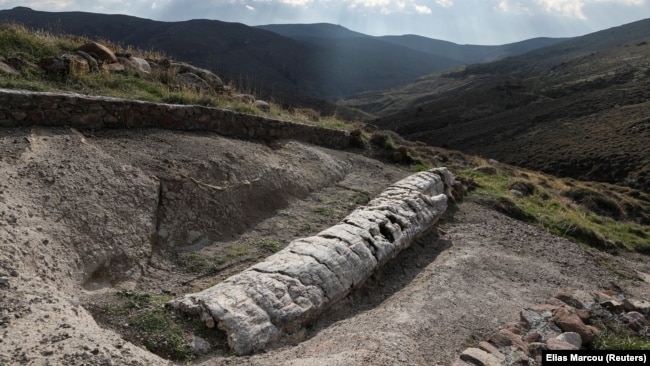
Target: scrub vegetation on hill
[574,109]
[30,46]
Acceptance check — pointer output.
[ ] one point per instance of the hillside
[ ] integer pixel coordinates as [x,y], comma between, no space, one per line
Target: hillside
[471,54]
[331,63]
[459,54]
[255,59]
[102,227]
[574,109]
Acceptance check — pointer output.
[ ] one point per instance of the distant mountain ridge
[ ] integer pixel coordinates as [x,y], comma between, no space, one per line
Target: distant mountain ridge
[463,54]
[315,30]
[578,108]
[471,54]
[317,60]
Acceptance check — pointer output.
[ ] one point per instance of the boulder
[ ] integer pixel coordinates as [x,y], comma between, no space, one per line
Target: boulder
[558,345]
[191,81]
[536,348]
[53,65]
[532,337]
[116,68]
[210,78]
[92,62]
[579,299]
[635,320]
[69,63]
[613,306]
[99,52]
[519,328]
[135,64]
[487,347]
[262,106]
[20,64]
[535,318]
[515,340]
[75,64]
[200,346]
[244,98]
[571,337]
[142,64]
[637,305]
[567,320]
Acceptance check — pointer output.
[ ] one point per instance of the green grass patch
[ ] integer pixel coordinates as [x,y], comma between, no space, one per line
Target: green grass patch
[268,245]
[17,40]
[617,336]
[159,87]
[228,255]
[416,168]
[150,324]
[548,205]
[358,199]
[324,211]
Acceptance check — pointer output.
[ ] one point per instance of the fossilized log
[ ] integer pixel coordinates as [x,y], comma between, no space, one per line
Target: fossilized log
[292,287]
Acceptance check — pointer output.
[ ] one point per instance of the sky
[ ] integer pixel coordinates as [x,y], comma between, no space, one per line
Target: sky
[485,22]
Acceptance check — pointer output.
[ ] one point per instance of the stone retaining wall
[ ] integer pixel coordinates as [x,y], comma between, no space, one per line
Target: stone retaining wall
[292,287]
[23,108]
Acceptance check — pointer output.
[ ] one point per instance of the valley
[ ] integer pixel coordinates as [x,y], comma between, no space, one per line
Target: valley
[575,109]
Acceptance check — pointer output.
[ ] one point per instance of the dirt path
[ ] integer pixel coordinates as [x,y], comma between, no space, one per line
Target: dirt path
[83,215]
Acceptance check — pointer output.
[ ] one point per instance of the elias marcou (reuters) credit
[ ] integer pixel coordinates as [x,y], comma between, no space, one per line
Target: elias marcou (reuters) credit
[585,357]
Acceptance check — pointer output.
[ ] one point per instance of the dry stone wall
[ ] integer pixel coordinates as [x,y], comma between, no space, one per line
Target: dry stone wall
[292,287]
[24,108]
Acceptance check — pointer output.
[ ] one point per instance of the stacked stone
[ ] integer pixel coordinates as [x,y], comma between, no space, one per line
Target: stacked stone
[292,287]
[23,108]
[562,323]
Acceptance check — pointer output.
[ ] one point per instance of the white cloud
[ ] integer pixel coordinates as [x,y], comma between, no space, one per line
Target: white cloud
[566,8]
[396,6]
[42,4]
[250,8]
[422,9]
[295,2]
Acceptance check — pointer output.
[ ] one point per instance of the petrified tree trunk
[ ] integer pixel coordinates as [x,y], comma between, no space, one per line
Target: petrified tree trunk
[293,286]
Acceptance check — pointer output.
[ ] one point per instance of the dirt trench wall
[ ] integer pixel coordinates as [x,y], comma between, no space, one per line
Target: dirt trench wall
[24,108]
[292,287]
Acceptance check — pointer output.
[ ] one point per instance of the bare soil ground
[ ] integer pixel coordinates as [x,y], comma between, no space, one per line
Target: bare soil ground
[84,214]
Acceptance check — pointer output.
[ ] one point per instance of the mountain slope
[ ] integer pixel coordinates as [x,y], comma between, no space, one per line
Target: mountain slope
[266,60]
[470,54]
[463,54]
[577,108]
[316,30]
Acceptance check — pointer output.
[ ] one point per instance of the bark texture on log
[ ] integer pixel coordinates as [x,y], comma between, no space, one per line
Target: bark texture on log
[295,285]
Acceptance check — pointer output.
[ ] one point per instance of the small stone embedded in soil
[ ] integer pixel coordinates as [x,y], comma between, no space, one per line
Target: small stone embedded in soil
[479,357]
[572,338]
[558,345]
